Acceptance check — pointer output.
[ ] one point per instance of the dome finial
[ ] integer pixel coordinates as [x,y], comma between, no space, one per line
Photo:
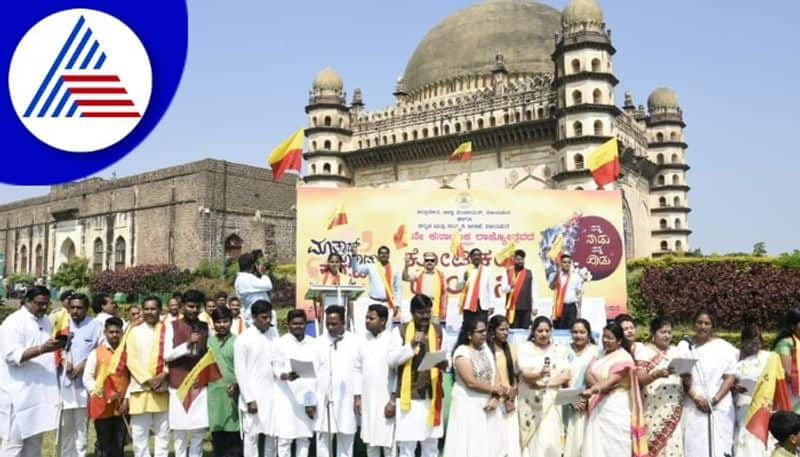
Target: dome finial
[662,98]
[328,79]
[579,12]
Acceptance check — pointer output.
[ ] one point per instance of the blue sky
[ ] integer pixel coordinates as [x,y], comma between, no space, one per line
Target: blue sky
[733,64]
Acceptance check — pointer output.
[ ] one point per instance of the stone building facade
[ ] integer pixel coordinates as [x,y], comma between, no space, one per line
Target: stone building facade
[533,89]
[210,209]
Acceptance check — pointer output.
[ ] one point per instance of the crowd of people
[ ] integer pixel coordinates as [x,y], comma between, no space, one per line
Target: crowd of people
[276,394]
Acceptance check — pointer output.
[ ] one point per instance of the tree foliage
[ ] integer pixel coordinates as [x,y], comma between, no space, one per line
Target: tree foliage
[74,274]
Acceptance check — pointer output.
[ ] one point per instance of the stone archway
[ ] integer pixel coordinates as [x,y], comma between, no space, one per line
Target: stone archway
[66,252]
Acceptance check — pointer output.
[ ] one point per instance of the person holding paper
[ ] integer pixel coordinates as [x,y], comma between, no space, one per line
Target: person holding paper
[582,350]
[335,356]
[519,285]
[223,394]
[751,364]
[432,282]
[253,363]
[662,391]
[385,283]
[785,345]
[474,428]
[375,383]
[505,358]
[616,424]
[419,394]
[543,369]
[715,370]
[295,397]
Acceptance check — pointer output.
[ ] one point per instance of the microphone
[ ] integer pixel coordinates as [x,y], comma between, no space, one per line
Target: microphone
[688,341]
[546,366]
[68,345]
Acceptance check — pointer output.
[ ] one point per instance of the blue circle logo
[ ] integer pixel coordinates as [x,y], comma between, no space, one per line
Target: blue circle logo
[86,83]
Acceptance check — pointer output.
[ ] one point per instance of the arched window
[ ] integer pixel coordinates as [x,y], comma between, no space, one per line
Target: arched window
[385,140]
[674,158]
[540,113]
[659,137]
[598,128]
[469,126]
[413,134]
[119,254]
[39,260]
[578,188]
[577,128]
[67,251]
[313,168]
[340,147]
[360,144]
[97,255]
[676,202]
[492,121]
[326,168]
[679,246]
[457,127]
[505,119]
[480,123]
[576,65]
[528,115]
[339,172]
[516,117]
[327,145]
[394,138]
[661,180]
[664,246]
[340,122]
[578,159]
[313,145]
[327,121]
[662,202]
[405,136]
[424,133]
[676,180]
[677,223]
[597,96]
[314,121]
[660,158]
[577,97]
[673,136]
[233,247]
[662,224]
[368,142]
[596,65]
[23,256]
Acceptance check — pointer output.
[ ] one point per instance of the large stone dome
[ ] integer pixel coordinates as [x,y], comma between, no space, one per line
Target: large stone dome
[662,98]
[466,42]
[328,79]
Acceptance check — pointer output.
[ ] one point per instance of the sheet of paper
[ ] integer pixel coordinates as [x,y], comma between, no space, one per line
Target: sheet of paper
[748,383]
[682,366]
[565,396]
[432,359]
[303,368]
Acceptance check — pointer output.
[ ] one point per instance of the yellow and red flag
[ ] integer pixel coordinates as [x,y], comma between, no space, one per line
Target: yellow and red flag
[463,152]
[604,163]
[287,156]
[505,256]
[456,246]
[338,217]
[400,237]
[205,371]
[771,393]
[60,327]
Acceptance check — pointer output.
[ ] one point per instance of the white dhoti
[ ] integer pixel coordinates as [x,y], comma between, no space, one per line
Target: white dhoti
[188,427]
[412,425]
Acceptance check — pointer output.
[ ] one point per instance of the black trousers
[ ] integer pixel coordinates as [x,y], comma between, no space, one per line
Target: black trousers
[522,319]
[481,314]
[227,444]
[111,435]
[568,317]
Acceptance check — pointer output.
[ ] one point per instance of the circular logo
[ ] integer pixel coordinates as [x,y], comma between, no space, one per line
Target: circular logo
[598,247]
[80,80]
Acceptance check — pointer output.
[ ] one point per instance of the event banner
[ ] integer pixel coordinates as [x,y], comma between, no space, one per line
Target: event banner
[543,223]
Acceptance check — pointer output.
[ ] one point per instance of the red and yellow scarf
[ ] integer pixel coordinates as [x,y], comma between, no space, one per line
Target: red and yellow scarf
[387,284]
[517,279]
[561,292]
[439,294]
[435,411]
[473,300]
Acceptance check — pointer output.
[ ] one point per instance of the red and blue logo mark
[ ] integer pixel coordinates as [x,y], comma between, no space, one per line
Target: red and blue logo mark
[87,82]
[77,80]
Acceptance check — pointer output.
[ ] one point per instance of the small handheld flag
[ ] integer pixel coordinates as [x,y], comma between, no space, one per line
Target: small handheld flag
[463,152]
[287,156]
[400,237]
[338,217]
[205,371]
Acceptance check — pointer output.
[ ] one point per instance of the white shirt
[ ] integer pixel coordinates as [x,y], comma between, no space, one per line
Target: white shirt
[484,289]
[376,288]
[574,287]
[375,382]
[254,361]
[250,288]
[335,380]
[28,390]
[507,287]
[90,368]
[294,395]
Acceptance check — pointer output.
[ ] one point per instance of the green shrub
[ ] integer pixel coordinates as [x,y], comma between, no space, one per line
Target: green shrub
[74,274]
[209,269]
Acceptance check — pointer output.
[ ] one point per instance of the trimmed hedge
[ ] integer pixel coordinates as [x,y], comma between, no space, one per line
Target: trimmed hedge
[739,290]
[142,279]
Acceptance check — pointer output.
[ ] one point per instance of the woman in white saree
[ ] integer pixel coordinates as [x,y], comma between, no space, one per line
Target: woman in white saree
[581,352]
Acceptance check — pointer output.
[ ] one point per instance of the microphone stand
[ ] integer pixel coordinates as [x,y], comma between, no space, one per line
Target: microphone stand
[710,414]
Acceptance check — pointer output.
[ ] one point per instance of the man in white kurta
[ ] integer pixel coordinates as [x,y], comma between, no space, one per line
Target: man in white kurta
[254,360]
[477,297]
[251,285]
[86,334]
[185,342]
[295,397]
[334,365]
[375,382]
[385,283]
[29,389]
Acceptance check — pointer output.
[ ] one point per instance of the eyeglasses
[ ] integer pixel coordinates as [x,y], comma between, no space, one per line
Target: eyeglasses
[430,260]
